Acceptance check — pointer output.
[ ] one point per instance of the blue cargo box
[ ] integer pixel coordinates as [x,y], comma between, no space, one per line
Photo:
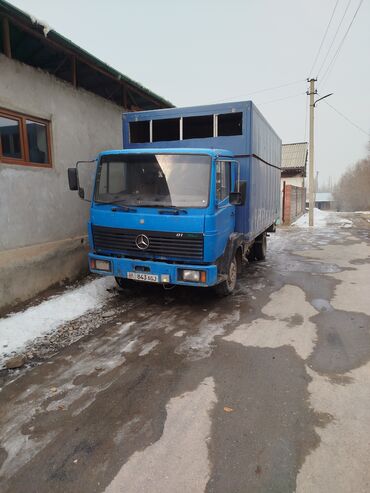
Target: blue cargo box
[237,127]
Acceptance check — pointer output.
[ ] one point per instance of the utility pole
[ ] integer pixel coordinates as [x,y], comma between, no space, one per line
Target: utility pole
[311,171]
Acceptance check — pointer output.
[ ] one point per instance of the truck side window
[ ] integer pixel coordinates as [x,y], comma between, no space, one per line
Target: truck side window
[222,180]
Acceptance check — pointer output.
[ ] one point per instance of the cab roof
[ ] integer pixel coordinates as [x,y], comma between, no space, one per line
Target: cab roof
[176,150]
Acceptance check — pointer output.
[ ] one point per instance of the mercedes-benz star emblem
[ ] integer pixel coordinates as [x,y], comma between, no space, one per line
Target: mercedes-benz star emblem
[142,242]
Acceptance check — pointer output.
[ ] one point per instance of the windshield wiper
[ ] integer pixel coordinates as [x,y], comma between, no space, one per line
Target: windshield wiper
[117,203]
[171,209]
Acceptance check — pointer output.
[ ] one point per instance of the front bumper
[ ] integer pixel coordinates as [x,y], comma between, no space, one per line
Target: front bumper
[121,266]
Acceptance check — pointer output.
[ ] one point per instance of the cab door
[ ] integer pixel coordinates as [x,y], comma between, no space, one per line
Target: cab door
[225,212]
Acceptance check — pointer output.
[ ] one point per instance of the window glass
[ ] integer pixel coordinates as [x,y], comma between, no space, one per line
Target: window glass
[168,129]
[197,127]
[139,132]
[37,142]
[10,137]
[222,180]
[154,180]
[230,124]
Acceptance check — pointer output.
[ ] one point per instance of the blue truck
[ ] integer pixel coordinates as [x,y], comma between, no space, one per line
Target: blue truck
[192,194]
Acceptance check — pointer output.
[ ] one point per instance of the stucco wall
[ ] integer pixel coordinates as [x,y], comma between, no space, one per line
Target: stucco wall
[43,223]
[296,181]
[36,205]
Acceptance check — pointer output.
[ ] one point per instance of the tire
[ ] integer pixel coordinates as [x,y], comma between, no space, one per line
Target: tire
[251,257]
[260,247]
[225,288]
[124,283]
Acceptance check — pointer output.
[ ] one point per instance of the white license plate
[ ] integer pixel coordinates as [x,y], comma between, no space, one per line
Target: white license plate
[139,276]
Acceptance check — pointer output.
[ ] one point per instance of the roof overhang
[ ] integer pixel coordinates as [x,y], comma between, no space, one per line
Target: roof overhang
[24,38]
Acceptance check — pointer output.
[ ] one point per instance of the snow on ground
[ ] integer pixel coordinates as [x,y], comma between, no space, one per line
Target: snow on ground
[17,329]
[323,219]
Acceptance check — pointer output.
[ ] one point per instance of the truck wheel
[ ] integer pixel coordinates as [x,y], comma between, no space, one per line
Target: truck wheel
[227,287]
[124,283]
[251,256]
[260,247]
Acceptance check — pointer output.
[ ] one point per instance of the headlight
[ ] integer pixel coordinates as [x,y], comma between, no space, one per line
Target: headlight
[96,264]
[193,276]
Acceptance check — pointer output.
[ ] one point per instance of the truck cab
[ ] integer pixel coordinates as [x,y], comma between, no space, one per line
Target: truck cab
[163,216]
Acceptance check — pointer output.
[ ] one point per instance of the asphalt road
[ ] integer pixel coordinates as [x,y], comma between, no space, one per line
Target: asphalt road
[179,391]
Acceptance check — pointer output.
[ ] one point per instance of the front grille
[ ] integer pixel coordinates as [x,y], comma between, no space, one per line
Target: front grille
[173,245]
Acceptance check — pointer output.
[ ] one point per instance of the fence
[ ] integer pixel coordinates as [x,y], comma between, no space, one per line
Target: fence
[294,200]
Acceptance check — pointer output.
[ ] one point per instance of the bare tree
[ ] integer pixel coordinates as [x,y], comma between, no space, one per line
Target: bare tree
[353,189]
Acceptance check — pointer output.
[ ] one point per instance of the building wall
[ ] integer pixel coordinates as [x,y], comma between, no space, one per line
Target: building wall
[36,205]
[296,181]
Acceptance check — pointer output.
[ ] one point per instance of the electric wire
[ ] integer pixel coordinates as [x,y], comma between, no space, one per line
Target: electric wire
[347,119]
[324,36]
[260,91]
[334,38]
[332,62]
[282,99]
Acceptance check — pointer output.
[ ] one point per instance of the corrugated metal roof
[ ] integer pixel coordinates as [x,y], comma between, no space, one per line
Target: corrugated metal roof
[294,156]
[34,23]
[324,197]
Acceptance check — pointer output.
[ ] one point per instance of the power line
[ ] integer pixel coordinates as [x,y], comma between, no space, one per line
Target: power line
[324,37]
[283,99]
[335,37]
[348,120]
[261,90]
[331,64]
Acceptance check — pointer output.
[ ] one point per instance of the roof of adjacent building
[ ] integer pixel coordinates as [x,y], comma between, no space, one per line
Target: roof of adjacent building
[324,197]
[33,42]
[294,156]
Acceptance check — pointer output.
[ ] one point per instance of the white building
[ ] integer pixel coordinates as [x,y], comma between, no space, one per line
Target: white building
[293,173]
[293,163]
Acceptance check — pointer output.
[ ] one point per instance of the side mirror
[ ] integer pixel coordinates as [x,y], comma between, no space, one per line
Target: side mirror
[238,198]
[73,179]
[235,198]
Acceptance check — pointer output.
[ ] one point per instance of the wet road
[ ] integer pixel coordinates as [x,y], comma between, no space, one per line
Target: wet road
[178,391]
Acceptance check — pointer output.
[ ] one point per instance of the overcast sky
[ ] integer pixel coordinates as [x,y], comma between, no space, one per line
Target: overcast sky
[203,51]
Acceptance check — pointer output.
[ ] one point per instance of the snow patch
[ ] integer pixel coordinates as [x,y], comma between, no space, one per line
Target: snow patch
[320,219]
[131,346]
[180,333]
[201,345]
[323,219]
[148,347]
[18,329]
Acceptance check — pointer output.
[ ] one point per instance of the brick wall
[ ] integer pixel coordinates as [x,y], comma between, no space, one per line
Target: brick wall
[294,199]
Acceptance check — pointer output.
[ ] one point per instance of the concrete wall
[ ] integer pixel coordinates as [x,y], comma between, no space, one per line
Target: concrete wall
[35,203]
[36,206]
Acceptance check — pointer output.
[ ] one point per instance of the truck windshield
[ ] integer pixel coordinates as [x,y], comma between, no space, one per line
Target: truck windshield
[154,180]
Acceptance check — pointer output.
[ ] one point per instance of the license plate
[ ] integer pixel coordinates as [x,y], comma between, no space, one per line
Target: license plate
[139,276]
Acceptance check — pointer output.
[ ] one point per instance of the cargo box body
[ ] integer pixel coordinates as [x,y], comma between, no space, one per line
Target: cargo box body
[236,127]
